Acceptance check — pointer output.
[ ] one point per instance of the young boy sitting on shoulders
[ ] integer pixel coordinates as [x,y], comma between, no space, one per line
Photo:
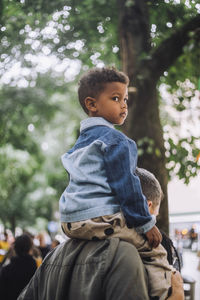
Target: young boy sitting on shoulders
[104,196]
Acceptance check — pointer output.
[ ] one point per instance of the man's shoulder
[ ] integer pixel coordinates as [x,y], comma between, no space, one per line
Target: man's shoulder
[86,252]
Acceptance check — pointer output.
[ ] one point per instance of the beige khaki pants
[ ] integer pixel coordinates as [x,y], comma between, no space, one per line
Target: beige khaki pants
[154,259]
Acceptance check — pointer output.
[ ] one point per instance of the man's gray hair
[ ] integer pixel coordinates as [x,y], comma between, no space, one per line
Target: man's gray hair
[150,186]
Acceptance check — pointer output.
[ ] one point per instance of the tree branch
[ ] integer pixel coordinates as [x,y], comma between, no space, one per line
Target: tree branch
[171,48]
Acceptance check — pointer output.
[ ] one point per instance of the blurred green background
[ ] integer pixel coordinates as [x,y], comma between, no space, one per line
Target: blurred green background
[46,46]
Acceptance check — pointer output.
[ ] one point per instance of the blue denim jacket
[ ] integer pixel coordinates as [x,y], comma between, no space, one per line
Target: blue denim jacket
[101,177]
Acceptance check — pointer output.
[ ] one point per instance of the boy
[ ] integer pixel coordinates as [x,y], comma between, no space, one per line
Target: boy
[104,196]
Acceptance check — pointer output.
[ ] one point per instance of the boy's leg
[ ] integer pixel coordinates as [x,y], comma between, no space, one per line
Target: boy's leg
[98,228]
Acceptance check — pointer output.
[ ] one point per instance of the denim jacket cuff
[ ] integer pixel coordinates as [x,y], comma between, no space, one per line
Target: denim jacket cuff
[146,227]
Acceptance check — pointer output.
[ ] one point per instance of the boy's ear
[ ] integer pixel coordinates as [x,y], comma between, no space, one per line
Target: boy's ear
[90,104]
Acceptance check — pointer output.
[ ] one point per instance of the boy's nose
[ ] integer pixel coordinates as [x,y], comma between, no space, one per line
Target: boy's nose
[123,104]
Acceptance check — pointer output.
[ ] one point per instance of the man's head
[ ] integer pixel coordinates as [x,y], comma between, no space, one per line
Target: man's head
[103,92]
[23,244]
[151,189]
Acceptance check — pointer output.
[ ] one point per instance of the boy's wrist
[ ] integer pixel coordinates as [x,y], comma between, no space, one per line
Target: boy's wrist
[146,227]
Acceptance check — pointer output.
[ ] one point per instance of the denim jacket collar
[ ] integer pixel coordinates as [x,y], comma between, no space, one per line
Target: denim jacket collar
[94,121]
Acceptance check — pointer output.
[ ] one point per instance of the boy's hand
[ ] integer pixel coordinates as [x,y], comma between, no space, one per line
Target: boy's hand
[154,237]
[177,287]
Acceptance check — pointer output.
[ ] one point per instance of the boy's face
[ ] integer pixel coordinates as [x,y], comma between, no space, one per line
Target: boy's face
[111,103]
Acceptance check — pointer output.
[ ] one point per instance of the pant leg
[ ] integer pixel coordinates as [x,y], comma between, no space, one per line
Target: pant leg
[98,228]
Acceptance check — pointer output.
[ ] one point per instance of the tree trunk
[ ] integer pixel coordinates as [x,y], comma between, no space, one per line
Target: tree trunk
[143,124]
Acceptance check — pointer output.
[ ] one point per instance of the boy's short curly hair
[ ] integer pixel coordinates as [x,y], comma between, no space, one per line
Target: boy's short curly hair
[93,82]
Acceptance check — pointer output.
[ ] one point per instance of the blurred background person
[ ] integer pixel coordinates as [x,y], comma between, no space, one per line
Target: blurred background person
[43,246]
[54,243]
[15,276]
[4,246]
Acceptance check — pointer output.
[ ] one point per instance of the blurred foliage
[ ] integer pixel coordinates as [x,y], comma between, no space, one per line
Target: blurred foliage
[75,35]
[180,116]
[18,109]
[183,157]
[18,169]
[174,16]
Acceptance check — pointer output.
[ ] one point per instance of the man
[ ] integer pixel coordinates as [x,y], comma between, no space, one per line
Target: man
[94,270]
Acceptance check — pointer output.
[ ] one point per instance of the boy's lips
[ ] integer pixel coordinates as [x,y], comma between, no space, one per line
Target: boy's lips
[124,114]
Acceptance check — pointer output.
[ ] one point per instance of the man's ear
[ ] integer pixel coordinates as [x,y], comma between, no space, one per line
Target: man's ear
[150,203]
[90,104]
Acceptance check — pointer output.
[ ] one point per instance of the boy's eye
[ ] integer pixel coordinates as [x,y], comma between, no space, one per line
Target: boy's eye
[115,98]
[126,100]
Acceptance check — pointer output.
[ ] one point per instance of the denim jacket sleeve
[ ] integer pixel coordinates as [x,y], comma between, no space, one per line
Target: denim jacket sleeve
[120,160]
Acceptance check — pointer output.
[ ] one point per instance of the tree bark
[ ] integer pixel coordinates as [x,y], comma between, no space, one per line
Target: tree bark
[143,124]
